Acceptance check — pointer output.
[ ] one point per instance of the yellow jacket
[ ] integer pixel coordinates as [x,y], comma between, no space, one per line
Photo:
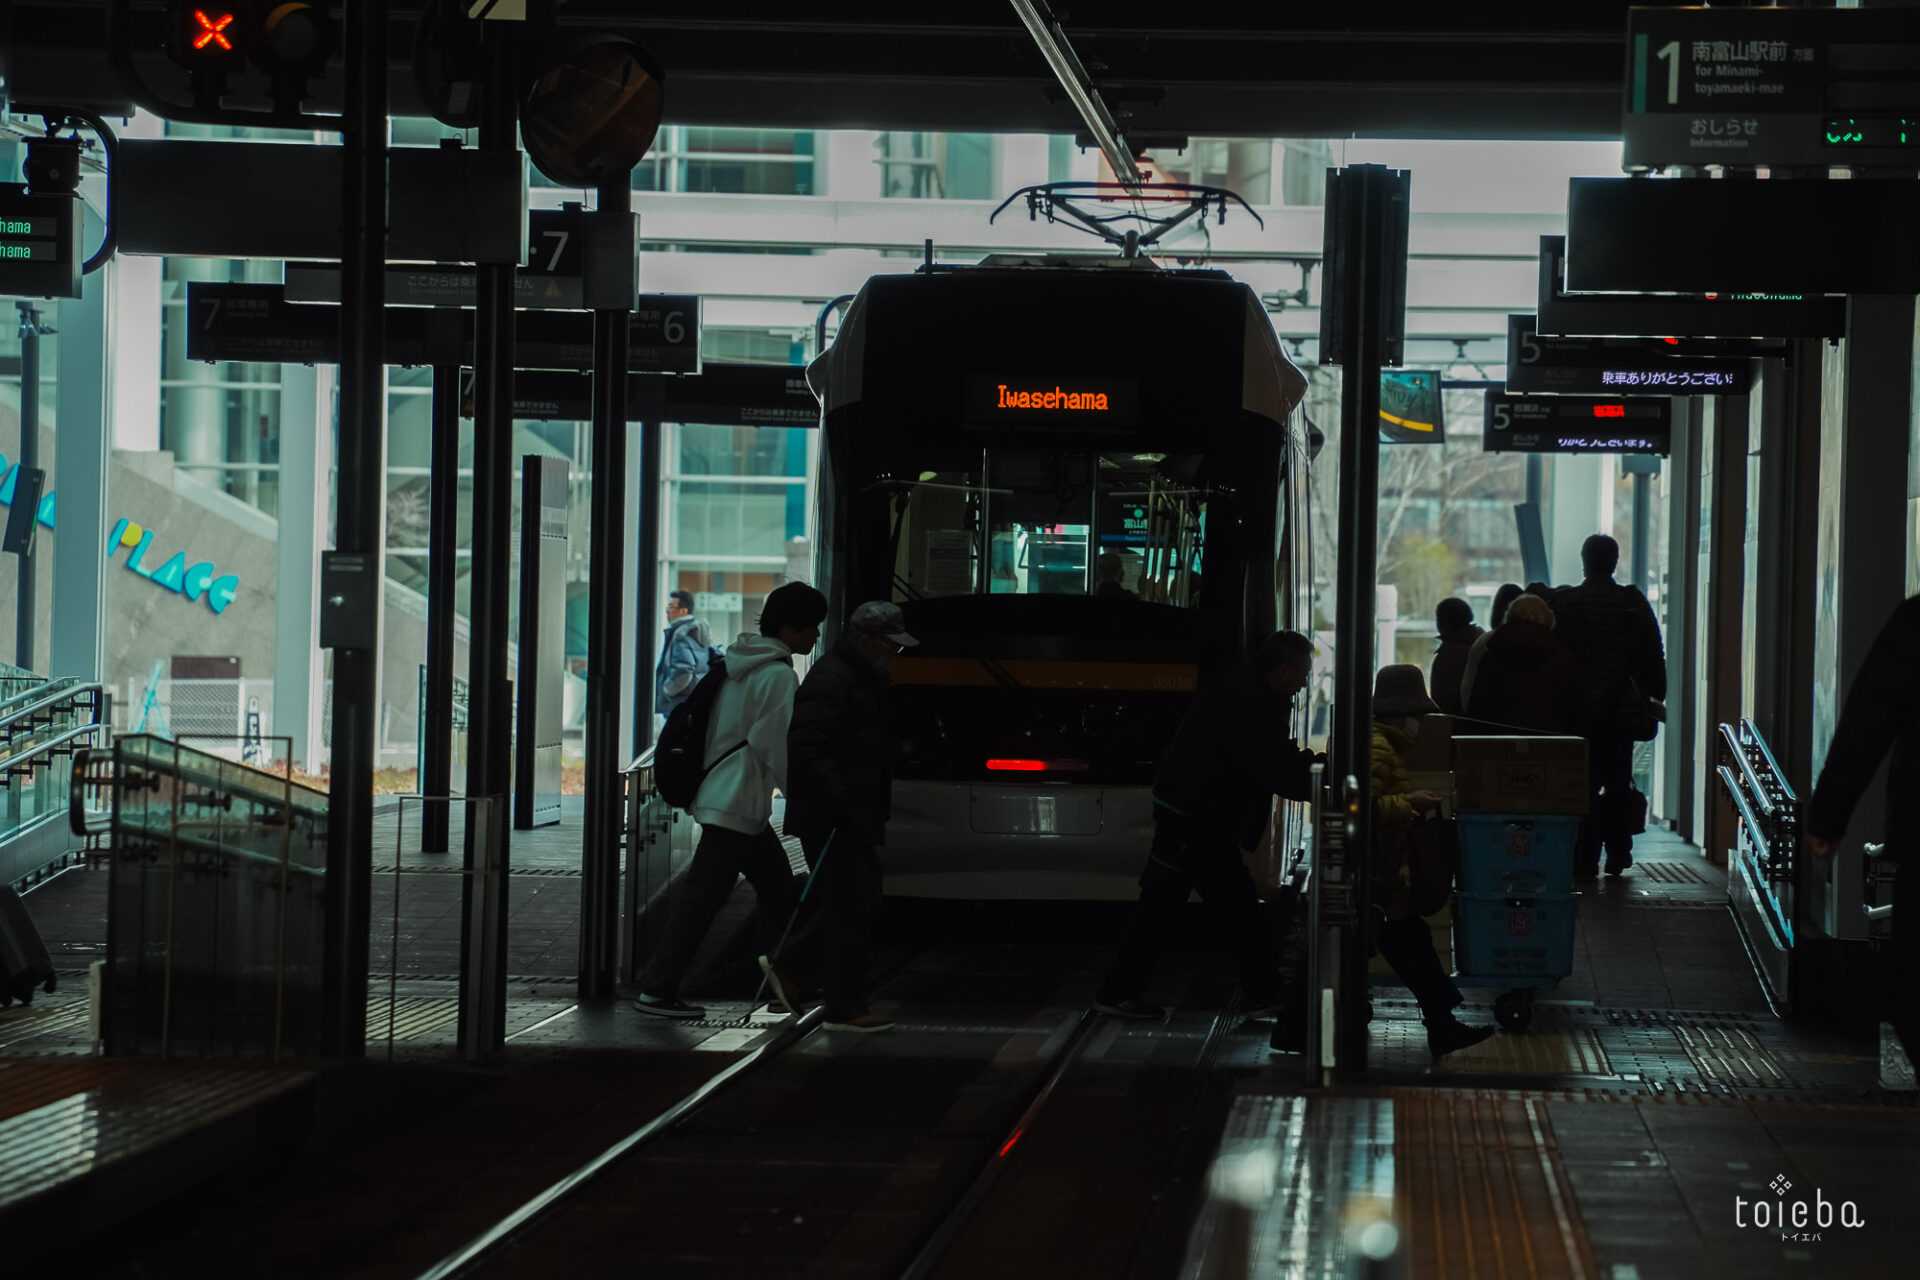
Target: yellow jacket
[1392,816]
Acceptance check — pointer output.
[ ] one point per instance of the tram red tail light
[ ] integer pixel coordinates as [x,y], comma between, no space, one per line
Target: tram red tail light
[1037,766]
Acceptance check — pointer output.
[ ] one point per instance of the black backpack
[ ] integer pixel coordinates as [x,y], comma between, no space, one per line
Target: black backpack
[678,758]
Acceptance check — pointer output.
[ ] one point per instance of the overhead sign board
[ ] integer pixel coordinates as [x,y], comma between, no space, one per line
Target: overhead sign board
[1611,366]
[40,250]
[550,280]
[1746,87]
[738,395]
[1638,315]
[1696,235]
[1410,407]
[256,322]
[1577,424]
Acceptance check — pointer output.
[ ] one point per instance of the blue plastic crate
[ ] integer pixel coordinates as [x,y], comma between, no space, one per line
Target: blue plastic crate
[1524,854]
[1523,941]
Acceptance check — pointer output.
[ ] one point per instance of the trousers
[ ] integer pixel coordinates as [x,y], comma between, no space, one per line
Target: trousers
[1186,857]
[848,886]
[1407,945]
[1609,766]
[723,856]
[1902,958]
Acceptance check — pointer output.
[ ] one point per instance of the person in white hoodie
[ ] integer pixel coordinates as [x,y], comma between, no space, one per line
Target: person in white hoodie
[746,758]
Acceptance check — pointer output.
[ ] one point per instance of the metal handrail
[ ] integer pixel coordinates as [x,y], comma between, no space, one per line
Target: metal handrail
[1738,795]
[67,693]
[15,760]
[1736,749]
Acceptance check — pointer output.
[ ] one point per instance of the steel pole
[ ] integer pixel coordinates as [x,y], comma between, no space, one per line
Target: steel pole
[443,533]
[606,554]
[360,520]
[489,693]
[1642,527]
[646,576]
[26,616]
[1364,200]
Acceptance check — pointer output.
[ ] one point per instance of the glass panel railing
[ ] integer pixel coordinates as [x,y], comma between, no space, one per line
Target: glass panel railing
[40,729]
[216,905]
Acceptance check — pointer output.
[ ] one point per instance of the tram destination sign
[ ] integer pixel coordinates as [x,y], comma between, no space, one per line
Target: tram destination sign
[1577,424]
[1051,401]
[1612,366]
[40,251]
[1772,86]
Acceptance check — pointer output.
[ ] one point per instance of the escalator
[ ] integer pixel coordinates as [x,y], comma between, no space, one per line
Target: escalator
[42,723]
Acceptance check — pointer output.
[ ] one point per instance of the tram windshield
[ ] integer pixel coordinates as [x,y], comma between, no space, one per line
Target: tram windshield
[1114,524]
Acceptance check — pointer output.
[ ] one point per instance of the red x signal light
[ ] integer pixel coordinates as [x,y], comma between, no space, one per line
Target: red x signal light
[213,29]
[204,36]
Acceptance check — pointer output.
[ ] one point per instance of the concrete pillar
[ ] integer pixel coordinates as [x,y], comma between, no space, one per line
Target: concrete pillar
[81,451]
[196,411]
[1866,453]
[1679,483]
[1574,510]
[846,166]
[306,454]
[1717,618]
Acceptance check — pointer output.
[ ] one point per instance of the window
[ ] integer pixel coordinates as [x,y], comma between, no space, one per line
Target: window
[1052,523]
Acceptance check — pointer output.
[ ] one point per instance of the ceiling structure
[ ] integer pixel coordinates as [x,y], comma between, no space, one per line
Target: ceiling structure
[1366,68]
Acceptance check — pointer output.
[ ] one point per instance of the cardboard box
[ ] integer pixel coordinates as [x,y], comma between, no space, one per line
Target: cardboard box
[1519,774]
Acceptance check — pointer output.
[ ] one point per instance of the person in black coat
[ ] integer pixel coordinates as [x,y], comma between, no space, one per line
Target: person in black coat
[1615,639]
[1230,756]
[840,794]
[1882,713]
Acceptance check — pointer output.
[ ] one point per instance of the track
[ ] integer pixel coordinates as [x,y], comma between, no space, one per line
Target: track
[914,1152]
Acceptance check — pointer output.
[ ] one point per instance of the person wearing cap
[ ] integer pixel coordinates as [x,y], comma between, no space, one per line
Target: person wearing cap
[840,795]
[1400,934]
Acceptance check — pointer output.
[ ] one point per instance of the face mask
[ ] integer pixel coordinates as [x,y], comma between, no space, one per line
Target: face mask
[884,665]
[1412,725]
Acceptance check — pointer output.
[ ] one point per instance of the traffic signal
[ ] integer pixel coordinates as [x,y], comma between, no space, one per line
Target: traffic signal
[203,35]
[294,38]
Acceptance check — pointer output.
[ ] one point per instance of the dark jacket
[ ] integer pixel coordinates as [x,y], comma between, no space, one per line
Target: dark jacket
[1882,711]
[1527,678]
[1449,664]
[1614,637]
[840,751]
[1231,755]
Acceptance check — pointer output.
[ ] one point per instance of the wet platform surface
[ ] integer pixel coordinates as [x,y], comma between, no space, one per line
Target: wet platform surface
[1631,1133]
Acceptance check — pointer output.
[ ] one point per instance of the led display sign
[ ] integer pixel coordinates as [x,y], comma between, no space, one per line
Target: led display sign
[1042,400]
[1577,424]
[40,254]
[1771,85]
[1599,366]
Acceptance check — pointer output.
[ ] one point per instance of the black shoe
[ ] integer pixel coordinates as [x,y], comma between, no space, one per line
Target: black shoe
[1138,1009]
[667,1007]
[1585,870]
[1618,862]
[1262,1010]
[1453,1034]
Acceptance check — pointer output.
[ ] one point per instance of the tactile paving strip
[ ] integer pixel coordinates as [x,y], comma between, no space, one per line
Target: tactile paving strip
[1671,872]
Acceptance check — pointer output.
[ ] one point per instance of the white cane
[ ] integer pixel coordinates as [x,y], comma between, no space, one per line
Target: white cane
[805,889]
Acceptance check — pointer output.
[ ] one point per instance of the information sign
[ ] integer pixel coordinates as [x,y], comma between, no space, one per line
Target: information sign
[1577,424]
[550,280]
[256,322]
[1410,407]
[1771,86]
[1629,315]
[1603,366]
[40,250]
[740,395]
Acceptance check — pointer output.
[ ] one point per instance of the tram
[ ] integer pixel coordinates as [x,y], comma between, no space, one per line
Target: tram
[1084,481]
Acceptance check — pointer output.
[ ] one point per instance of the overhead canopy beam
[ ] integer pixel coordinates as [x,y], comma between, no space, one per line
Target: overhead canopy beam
[1073,78]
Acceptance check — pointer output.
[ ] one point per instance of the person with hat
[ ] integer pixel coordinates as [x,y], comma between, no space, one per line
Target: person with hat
[839,797]
[1400,934]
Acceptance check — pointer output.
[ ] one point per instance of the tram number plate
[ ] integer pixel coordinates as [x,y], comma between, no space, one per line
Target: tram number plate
[1520,842]
[1519,923]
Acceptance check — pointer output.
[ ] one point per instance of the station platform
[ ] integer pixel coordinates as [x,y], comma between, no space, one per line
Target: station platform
[999,1128]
